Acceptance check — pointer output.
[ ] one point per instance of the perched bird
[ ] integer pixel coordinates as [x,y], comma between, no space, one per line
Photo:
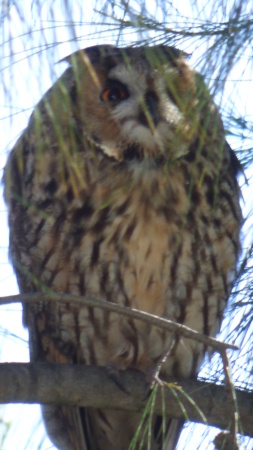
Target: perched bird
[123,188]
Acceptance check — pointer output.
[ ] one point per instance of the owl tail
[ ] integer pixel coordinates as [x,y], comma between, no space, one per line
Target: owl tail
[100,429]
[72,428]
[64,427]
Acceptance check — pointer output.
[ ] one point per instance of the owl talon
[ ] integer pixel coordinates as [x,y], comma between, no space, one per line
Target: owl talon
[114,373]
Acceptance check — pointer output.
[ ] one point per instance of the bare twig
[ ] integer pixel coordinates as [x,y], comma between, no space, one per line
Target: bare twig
[235,414]
[160,322]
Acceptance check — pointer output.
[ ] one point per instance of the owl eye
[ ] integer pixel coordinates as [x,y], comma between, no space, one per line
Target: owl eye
[114,94]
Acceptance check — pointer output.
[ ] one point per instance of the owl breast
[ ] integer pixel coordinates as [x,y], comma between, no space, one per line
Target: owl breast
[139,239]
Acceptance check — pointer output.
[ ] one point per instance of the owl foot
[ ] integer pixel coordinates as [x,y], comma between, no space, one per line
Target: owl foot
[114,374]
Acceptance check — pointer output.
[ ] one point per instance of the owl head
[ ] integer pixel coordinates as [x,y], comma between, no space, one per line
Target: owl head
[137,103]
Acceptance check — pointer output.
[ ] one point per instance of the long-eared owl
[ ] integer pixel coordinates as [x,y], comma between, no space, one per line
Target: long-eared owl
[123,187]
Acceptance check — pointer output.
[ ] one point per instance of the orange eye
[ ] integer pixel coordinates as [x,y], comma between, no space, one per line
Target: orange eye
[114,94]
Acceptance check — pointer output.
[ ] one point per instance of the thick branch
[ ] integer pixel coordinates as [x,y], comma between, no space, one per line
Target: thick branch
[94,386]
[160,322]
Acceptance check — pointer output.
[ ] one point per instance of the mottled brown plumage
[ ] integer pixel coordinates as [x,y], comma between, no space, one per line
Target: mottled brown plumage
[123,188]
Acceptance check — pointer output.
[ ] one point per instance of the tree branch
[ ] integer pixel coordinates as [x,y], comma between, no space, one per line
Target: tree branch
[94,386]
[160,322]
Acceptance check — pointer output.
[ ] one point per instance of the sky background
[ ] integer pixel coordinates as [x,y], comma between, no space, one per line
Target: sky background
[28,67]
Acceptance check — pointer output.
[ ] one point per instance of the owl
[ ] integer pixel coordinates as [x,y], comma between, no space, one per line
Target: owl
[123,188]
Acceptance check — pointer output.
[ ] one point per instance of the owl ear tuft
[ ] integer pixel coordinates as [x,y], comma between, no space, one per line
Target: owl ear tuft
[94,53]
[170,53]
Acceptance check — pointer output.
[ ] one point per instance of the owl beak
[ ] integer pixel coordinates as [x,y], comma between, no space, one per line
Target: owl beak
[149,114]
